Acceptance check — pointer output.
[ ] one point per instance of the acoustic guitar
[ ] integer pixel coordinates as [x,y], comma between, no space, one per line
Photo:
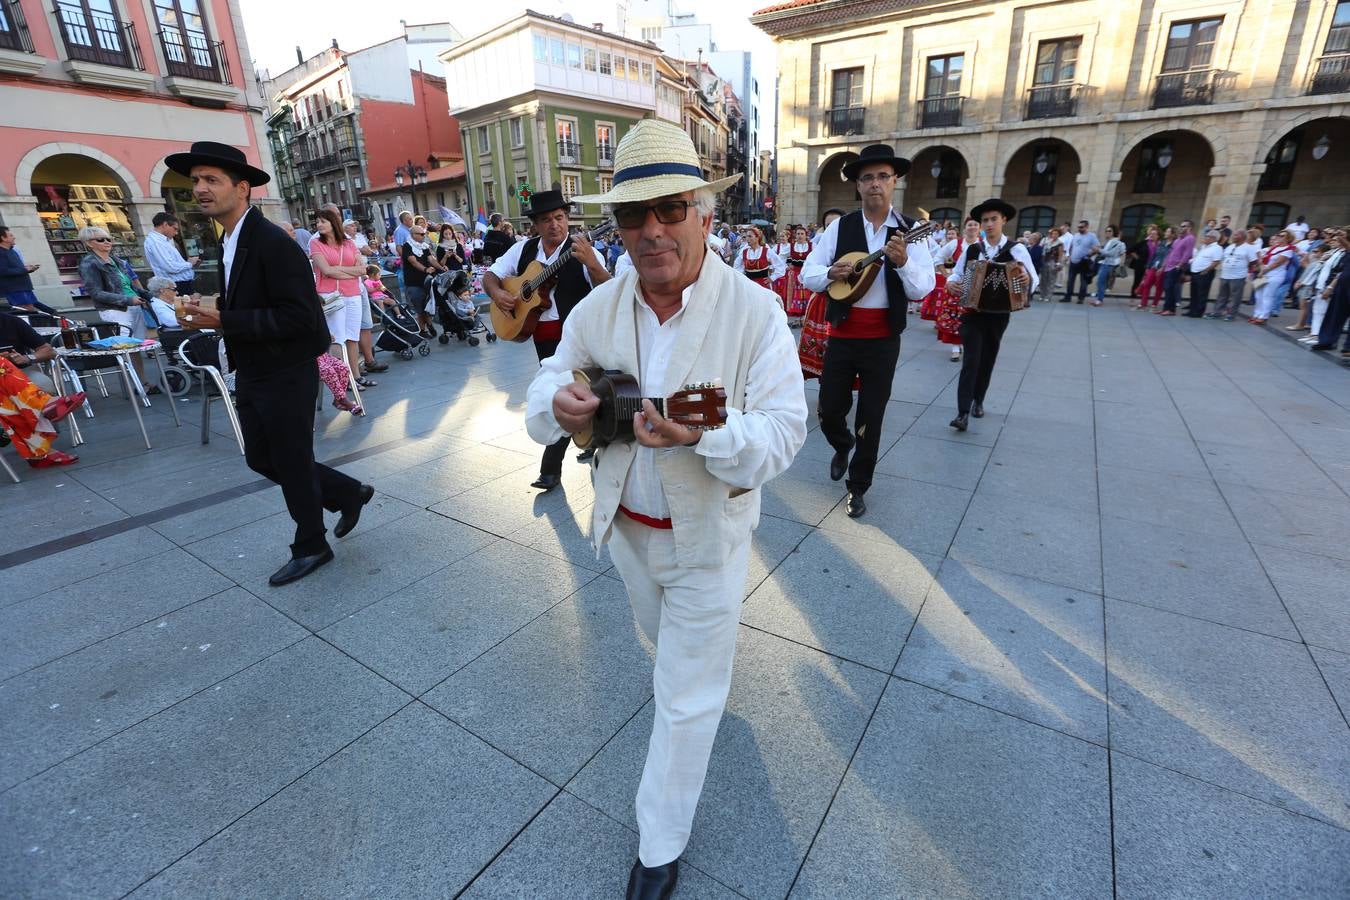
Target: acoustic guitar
[867,266]
[702,407]
[533,287]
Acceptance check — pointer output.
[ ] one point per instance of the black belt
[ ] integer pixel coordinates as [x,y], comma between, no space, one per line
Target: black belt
[757,273]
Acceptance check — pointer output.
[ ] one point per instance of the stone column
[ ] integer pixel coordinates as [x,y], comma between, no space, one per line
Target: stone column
[19,214]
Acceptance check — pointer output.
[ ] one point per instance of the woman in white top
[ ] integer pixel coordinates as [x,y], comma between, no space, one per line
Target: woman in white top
[757,262]
[1276,267]
[1112,252]
[1337,243]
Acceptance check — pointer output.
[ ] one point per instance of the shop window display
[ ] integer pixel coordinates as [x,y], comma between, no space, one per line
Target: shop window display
[66,208]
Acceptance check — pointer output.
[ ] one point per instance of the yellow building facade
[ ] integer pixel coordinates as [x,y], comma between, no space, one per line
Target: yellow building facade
[1122,113]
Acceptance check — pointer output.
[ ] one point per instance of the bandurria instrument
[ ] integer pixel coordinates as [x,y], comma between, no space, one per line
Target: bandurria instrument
[701,407]
[533,287]
[1012,276]
[867,266]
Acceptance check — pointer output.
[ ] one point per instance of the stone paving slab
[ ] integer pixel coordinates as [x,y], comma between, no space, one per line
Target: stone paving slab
[116,815]
[413,808]
[1179,837]
[1058,545]
[946,799]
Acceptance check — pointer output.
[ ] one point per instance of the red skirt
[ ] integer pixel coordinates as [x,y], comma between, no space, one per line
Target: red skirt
[796,296]
[949,318]
[815,336]
[928,309]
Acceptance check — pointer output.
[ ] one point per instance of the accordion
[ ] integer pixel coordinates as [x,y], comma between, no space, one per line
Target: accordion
[995,287]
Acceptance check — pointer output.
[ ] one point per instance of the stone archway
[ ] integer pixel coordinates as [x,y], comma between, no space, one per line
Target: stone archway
[834,190]
[1295,177]
[23,176]
[937,180]
[1167,170]
[1041,176]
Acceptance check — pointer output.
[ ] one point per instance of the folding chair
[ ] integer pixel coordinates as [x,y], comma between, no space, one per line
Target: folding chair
[200,353]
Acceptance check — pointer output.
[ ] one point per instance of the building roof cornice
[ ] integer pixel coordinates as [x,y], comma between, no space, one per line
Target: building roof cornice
[789,18]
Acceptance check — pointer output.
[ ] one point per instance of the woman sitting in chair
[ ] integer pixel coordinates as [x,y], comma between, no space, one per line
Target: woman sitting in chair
[28,414]
[116,295]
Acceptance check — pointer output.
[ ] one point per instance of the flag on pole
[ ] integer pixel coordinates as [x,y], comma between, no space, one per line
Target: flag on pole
[481,225]
[449,216]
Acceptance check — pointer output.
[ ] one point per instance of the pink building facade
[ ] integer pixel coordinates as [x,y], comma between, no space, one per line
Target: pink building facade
[93,95]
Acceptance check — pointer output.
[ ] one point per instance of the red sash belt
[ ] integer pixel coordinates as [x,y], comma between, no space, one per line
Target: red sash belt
[548,331]
[863,323]
[665,524]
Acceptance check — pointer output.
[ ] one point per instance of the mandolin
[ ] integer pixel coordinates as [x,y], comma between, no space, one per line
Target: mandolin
[701,407]
[531,288]
[866,266]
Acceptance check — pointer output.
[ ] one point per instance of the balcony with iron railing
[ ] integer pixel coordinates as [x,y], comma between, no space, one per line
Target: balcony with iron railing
[940,112]
[1052,101]
[99,38]
[569,152]
[1332,75]
[844,121]
[604,156]
[14,34]
[1191,88]
[191,55]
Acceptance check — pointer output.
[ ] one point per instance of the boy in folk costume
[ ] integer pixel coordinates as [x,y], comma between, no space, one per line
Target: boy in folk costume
[982,328]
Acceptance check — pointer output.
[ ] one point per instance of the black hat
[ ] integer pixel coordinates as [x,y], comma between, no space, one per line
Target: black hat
[994,205]
[876,153]
[544,202]
[209,153]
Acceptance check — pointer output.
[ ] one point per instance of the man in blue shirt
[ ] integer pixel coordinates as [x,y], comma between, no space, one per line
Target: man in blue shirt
[163,257]
[1083,246]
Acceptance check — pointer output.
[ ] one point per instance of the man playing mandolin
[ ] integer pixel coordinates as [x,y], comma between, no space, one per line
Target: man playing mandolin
[584,270]
[678,506]
[864,332]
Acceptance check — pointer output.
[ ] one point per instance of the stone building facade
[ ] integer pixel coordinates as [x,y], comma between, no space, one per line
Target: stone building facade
[1113,112]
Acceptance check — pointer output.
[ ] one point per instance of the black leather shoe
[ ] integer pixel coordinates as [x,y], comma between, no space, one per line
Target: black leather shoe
[349,518]
[977,410]
[545,482]
[960,422]
[838,464]
[299,567]
[586,455]
[855,506]
[656,883]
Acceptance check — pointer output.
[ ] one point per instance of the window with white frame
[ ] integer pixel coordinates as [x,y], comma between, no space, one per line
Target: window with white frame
[555,51]
[567,139]
[484,145]
[604,141]
[590,59]
[490,194]
[571,185]
[574,56]
[647,73]
[540,48]
[606,183]
[606,64]
[517,132]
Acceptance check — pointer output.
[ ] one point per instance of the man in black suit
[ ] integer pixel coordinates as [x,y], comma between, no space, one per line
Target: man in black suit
[274,330]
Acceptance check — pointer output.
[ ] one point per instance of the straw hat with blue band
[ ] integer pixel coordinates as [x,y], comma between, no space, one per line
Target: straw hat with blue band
[656,159]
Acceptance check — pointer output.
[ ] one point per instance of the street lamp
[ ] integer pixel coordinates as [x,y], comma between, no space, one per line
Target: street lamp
[936,170]
[1042,162]
[1320,148]
[414,175]
[1165,156]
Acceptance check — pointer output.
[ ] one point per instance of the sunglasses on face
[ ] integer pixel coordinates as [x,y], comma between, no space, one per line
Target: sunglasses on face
[101,240]
[668,212]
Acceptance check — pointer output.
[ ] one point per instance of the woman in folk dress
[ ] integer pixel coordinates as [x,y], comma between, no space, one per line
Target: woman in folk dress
[796,296]
[948,304]
[757,262]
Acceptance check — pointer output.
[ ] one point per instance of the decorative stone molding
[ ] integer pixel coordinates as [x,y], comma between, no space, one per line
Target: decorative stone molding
[193,89]
[108,76]
[17,62]
[23,173]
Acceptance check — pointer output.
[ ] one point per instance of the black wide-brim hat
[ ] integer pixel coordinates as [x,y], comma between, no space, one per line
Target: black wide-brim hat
[210,153]
[546,202]
[876,153]
[994,205]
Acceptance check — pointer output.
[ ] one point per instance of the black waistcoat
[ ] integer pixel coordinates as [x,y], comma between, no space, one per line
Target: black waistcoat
[995,298]
[571,284]
[852,238]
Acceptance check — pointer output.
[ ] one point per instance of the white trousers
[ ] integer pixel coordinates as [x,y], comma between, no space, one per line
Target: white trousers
[1270,299]
[691,615]
[1319,311]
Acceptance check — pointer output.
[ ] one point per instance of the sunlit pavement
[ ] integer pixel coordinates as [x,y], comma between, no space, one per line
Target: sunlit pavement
[1097,644]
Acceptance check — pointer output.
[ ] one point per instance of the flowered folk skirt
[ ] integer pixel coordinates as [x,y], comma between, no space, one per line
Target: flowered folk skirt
[21,406]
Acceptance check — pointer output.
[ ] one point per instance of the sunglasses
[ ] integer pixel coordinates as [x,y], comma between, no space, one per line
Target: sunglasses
[668,212]
[100,240]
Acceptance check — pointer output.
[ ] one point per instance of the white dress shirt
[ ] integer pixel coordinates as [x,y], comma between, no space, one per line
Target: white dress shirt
[777,266]
[916,275]
[622,264]
[227,254]
[738,453]
[990,251]
[506,267]
[1237,260]
[1329,263]
[164,258]
[1206,255]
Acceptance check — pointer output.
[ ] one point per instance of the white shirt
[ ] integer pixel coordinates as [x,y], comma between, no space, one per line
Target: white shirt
[948,250]
[1236,259]
[1257,242]
[917,275]
[1298,229]
[776,264]
[1328,263]
[734,453]
[1206,255]
[622,264]
[989,251]
[227,254]
[164,258]
[506,267]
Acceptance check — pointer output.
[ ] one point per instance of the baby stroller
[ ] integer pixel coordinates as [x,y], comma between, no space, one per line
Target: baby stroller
[463,324]
[401,334]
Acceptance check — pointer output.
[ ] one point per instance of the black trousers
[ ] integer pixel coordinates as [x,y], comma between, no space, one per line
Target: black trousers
[1338,311]
[1082,270]
[872,362]
[556,452]
[276,414]
[1200,284]
[981,334]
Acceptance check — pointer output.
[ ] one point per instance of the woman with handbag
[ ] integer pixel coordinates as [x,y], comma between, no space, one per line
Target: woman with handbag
[108,280]
[1272,282]
[338,268]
